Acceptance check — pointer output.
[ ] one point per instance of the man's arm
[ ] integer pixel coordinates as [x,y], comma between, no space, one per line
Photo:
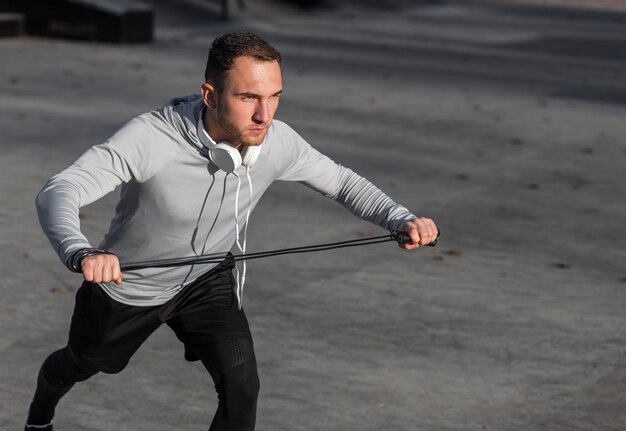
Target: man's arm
[368,202]
[127,155]
[303,163]
[96,173]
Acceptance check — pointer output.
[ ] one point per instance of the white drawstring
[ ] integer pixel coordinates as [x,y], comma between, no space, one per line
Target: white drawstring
[241,281]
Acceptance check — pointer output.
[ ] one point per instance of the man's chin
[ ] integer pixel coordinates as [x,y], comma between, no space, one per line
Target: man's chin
[253,141]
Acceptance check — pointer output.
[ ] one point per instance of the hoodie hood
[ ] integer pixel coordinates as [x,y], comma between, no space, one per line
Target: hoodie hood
[183,113]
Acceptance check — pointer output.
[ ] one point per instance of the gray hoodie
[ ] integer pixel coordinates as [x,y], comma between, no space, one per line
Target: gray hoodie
[175,202]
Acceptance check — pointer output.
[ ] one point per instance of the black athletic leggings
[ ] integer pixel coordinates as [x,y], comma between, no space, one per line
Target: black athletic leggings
[105,333]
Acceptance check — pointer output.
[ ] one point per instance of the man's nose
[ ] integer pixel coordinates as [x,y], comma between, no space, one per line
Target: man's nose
[263,113]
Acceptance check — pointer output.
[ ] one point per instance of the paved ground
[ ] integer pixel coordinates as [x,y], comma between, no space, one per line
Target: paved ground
[504,123]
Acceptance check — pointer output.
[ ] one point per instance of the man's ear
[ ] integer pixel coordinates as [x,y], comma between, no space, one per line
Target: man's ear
[209,95]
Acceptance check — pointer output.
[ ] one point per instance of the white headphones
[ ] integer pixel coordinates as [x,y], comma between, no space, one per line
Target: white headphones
[227,158]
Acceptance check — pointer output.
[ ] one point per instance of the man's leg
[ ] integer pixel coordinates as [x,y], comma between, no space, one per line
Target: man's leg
[57,375]
[216,332]
[232,365]
[104,334]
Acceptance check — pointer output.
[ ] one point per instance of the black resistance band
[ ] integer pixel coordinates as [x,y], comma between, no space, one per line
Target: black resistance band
[398,236]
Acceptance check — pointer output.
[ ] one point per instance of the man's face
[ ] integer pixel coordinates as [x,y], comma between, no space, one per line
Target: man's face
[247,101]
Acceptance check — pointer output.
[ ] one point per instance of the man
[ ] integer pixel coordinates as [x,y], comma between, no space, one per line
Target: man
[189,173]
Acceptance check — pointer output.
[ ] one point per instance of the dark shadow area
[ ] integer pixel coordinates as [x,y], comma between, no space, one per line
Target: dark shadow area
[373,4]
[594,94]
[173,13]
[193,12]
[571,13]
[597,48]
[458,62]
[559,62]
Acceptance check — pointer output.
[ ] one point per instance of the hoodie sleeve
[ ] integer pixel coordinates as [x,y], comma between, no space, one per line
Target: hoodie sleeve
[362,198]
[126,156]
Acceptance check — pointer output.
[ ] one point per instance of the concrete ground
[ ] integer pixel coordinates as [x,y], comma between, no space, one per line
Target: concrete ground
[504,123]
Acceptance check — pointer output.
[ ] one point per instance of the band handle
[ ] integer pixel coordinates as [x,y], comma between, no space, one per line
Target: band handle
[404,238]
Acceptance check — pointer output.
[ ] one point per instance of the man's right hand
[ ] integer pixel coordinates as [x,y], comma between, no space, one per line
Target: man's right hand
[102,268]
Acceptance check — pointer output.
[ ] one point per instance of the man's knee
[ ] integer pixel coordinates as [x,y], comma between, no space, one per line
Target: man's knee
[246,379]
[92,365]
[60,369]
[242,373]
[242,381]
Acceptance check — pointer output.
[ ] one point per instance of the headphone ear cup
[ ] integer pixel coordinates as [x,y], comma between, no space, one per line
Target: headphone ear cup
[225,156]
[250,155]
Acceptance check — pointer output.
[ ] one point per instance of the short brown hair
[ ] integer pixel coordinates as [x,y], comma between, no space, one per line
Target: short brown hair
[225,49]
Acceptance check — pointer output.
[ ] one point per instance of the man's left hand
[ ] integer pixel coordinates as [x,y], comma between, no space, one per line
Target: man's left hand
[422,231]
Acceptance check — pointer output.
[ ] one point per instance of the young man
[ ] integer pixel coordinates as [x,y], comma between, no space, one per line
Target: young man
[190,173]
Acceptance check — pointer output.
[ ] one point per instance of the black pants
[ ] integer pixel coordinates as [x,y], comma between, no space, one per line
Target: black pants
[104,334]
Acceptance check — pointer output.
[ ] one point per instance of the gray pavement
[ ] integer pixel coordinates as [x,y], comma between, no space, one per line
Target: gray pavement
[504,123]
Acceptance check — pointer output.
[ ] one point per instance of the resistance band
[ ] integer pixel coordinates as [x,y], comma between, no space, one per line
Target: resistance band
[398,236]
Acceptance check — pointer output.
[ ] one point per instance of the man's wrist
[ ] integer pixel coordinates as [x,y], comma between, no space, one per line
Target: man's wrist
[75,262]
